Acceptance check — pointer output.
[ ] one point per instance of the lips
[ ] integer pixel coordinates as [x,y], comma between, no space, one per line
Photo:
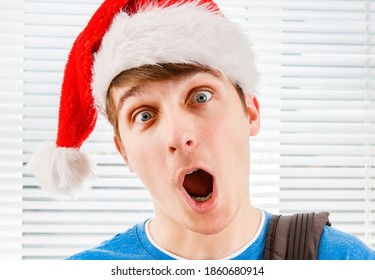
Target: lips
[199,185]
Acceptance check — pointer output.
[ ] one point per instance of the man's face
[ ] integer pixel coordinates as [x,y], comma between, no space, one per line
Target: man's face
[187,139]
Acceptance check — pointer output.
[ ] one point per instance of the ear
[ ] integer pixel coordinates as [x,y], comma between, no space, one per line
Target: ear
[253,113]
[121,149]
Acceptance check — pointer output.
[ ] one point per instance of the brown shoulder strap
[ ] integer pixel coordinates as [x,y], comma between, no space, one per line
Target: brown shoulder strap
[295,237]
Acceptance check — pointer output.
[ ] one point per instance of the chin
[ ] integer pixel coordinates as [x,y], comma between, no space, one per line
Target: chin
[211,224]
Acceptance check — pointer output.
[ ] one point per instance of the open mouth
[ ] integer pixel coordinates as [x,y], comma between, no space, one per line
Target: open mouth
[198,184]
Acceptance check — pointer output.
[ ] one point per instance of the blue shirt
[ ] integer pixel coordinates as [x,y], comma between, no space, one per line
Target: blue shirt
[135,245]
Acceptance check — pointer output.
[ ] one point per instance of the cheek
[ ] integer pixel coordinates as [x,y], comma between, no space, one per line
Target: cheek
[139,154]
[231,130]
[230,140]
[144,157]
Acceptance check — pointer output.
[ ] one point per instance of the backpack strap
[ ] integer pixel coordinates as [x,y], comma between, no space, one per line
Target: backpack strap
[295,237]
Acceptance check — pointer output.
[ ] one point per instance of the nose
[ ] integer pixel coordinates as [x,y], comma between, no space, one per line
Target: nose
[181,133]
[181,145]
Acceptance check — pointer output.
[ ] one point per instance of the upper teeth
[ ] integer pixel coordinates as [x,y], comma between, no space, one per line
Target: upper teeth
[191,171]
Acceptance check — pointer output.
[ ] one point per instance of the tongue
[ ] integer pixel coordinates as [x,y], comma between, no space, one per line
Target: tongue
[198,183]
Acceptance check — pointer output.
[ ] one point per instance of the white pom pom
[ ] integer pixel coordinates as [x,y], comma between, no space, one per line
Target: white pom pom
[63,172]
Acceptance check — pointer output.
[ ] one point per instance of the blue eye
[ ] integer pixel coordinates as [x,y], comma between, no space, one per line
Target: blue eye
[143,117]
[202,96]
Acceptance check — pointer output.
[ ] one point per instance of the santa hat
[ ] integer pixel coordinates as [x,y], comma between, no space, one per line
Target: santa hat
[125,34]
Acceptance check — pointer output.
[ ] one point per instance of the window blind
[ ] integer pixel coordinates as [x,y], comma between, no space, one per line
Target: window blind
[315,151]
[317,61]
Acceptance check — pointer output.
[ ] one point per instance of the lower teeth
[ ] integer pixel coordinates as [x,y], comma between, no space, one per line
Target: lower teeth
[202,199]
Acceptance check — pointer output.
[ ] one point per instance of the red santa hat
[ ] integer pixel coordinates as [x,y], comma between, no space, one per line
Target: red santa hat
[125,34]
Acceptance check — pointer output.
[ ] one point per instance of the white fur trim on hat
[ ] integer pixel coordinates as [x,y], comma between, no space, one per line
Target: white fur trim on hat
[181,33]
[63,172]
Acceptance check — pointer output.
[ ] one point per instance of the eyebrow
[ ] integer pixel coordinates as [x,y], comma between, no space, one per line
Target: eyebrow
[138,90]
[133,91]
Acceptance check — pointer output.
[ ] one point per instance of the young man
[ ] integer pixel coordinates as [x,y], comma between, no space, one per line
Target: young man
[177,81]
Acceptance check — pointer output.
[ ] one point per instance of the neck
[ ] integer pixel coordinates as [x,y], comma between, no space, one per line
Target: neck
[196,245]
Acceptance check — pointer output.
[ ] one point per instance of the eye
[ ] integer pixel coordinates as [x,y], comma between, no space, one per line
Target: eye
[202,96]
[143,117]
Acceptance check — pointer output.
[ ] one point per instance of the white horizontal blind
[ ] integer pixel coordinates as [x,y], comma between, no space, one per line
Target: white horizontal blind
[11,50]
[317,60]
[316,149]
